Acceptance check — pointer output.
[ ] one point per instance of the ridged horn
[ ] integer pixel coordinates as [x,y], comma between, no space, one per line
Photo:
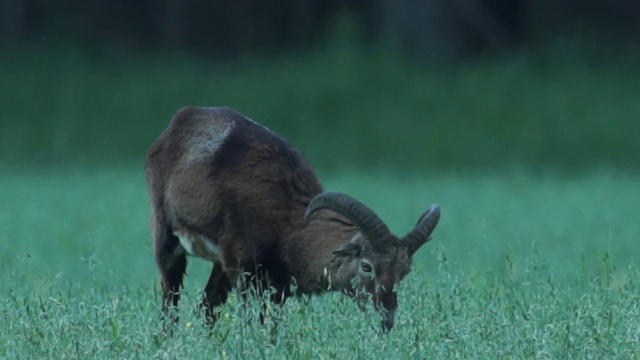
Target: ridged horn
[359,214]
[422,232]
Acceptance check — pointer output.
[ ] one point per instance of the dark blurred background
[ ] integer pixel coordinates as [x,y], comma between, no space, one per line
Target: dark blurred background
[410,84]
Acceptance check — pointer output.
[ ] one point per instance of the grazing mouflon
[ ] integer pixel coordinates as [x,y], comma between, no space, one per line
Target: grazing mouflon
[230,191]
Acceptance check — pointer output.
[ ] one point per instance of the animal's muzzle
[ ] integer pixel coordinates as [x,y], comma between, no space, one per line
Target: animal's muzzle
[388,304]
[388,319]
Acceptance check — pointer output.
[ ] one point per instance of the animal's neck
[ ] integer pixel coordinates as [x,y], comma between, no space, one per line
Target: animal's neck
[309,248]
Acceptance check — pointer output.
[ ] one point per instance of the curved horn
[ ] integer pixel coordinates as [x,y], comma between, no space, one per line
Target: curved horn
[359,214]
[422,232]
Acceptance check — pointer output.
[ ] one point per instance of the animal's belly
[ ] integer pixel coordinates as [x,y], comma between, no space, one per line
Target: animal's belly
[198,245]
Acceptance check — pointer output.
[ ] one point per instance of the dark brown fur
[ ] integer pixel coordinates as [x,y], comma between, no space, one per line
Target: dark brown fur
[247,193]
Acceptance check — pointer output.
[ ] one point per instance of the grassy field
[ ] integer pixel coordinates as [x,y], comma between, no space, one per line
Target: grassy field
[537,262]
[520,267]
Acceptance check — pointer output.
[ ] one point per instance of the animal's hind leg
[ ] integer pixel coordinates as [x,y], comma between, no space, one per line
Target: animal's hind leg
[216,292]
[172,263]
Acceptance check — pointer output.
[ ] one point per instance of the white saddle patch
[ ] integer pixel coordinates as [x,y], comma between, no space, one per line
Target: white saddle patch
[198,245]
[205,142]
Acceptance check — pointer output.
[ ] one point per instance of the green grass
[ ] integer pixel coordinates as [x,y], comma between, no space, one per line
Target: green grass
[520,267]
[374,109]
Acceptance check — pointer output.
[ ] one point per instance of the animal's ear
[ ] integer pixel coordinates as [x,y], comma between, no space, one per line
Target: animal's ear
[353,248]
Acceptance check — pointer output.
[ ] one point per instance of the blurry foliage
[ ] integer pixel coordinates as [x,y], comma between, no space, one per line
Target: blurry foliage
[438,29]
[343,106]
[537,84]
[219,28]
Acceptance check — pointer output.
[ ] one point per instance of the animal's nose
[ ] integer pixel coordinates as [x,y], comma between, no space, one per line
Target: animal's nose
[389,304]
[387,322]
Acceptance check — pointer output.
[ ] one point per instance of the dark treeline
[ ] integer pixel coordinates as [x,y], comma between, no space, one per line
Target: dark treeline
[444,28]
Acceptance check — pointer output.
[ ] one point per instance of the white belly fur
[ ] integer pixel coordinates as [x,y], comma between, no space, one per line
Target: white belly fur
[198,245]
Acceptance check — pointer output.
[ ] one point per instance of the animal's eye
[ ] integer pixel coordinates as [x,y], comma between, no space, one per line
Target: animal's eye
[366,267]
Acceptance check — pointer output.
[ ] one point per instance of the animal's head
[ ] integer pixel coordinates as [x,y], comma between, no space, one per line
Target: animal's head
[375,260]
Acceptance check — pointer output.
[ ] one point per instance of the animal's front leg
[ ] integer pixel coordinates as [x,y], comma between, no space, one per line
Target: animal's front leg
[216,292]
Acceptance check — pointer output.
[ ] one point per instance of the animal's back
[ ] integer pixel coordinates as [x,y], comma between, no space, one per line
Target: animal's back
[176,161]
[193,134]
[229,179]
